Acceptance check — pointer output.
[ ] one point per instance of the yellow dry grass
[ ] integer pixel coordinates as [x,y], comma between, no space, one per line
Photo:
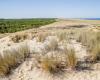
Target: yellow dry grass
[71,60]
[11,58]
[42,36]
[51,65]
[19,37]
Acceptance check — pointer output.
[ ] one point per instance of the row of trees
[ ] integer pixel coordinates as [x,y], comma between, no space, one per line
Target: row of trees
[13,25]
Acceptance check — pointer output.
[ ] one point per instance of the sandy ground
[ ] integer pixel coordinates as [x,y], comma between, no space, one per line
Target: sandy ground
[4,35]
[66,24]
[28,71]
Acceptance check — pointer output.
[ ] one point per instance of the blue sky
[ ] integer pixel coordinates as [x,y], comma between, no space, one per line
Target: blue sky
[49,8]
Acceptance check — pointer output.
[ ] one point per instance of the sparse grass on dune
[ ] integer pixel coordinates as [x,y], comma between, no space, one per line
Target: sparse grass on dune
[51,43]
[91,40]
[54,63]
[50,64]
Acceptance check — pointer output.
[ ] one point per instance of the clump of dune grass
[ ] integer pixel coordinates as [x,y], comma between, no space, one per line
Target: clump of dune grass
[3,67]
[11,58]
[42,36]
[19,37]
[61,35]
[89,39]
[83,38]
[51,65]
[52,45]
[54,64]
[6,61]
[23,51]
[71,60]
[95,53]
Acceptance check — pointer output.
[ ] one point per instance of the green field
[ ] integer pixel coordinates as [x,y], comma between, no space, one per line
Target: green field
[14,25]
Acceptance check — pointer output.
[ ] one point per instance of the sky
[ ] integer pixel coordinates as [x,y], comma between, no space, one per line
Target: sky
[50,8]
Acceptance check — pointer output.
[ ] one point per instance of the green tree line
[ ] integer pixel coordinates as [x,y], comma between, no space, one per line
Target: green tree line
[14,25]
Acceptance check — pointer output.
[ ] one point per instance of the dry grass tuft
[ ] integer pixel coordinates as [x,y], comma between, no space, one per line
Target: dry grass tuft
[42,36]
[19,37]
[58,62]
[71,60]
[95,53]
[12,58]
[61,36]
[91,40]
[51,65]
[3,67]
[52,45]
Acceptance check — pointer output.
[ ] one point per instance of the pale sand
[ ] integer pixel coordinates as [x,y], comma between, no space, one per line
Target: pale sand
[28,71]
